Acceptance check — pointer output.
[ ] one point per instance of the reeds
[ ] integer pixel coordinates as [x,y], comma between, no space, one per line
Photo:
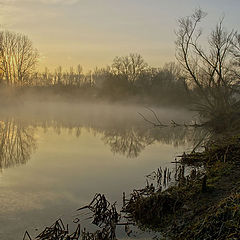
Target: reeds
[57,231]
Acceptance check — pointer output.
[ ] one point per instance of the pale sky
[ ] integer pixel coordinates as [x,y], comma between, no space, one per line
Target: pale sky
[93,32]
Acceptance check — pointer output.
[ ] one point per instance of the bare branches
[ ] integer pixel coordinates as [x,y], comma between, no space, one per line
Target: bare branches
[155,124]
[129,67]
[158,123]
[207,70]
[18,57]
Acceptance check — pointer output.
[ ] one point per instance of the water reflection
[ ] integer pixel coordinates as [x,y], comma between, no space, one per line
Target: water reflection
[18,137]
[17,142]
[129,142]
[131,139]
[74,154]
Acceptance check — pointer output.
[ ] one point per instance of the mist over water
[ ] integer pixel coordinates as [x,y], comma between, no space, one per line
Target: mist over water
[55,156]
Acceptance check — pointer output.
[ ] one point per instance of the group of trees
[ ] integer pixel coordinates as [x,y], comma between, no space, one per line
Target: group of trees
[211,72]
[127,76]
[73,77]
[131,76]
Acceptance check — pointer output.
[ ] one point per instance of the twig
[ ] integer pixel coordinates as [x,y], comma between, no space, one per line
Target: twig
[26,234]
[147,120]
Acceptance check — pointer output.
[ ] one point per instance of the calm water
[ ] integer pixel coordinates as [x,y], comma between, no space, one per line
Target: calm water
[55,157]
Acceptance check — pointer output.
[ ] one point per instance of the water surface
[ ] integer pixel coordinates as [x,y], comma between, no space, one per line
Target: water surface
[55,157]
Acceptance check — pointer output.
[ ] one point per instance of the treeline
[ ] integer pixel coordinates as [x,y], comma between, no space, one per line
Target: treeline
[128,77]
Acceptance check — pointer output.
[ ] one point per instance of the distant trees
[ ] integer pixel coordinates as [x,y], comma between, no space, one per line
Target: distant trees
[18,57]
[74,77]
[208,69]
[130,76]
[131,67]
[127,77]
[168,85]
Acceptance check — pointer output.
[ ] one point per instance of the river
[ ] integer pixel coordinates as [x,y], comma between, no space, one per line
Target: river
[55,156]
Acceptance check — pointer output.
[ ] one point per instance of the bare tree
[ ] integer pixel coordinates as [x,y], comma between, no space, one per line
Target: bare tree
[129,67]
[18,57]
[207,69]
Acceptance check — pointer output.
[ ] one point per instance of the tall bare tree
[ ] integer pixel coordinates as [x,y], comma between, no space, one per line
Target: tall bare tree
[207,68]
[18,57]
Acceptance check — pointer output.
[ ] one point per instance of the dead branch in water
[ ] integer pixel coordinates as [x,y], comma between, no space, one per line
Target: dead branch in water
[106,217]
[104,213]
[158,123]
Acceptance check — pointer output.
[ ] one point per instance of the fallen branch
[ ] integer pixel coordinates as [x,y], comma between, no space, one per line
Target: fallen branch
[158,123]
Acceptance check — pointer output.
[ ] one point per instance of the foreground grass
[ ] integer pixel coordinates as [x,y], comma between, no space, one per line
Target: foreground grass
[205,205]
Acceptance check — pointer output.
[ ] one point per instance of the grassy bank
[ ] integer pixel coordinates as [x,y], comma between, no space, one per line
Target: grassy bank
[203,205]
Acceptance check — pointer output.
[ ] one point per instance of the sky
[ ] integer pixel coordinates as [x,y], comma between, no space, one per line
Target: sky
[93,32]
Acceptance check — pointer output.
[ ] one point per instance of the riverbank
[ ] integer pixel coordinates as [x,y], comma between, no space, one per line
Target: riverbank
[203,205]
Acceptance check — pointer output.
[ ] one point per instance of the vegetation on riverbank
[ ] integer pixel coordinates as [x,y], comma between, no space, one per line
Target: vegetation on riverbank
[203,205]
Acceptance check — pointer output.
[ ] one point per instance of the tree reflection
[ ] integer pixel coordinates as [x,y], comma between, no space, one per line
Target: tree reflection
[129,142]
[17,137]
[17,143]
[178,136]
